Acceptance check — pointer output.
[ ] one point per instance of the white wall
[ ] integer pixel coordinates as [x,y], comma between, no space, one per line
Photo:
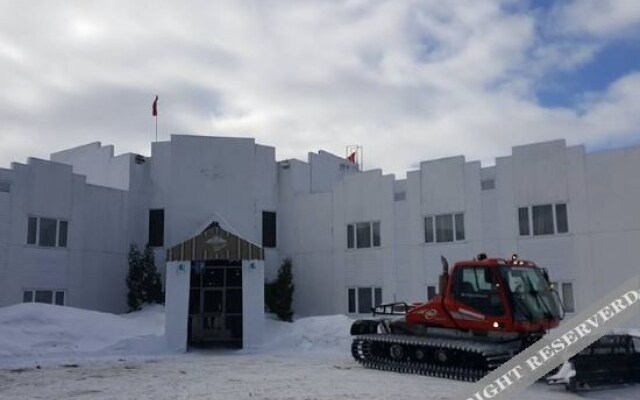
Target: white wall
[197,179]
[98,164]
[252,303]
[177,304]
[92,268]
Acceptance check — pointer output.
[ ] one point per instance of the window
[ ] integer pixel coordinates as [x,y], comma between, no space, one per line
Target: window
[361,300]
[5,187]
[400,196]
[352,301]
[444,228]
[46,296]
[431,292]
[268,229]
[377,296]
[546,219]
[567,297]
[459,219]
[363,235]
[376,234]
[428,230]
[562,223]
[47,232]
[62,233]
[565,290]
[32,230]
[523,220]
[487,184]
[364,300]
[475,287]
[47,237]
[156,228]
[542,220]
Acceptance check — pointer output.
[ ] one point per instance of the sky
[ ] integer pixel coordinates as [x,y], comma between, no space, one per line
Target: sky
[407,80]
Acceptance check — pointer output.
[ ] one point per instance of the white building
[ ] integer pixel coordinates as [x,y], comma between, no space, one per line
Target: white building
[355,238]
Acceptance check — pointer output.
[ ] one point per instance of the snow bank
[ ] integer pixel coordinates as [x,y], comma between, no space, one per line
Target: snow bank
[311,334]
[33,331]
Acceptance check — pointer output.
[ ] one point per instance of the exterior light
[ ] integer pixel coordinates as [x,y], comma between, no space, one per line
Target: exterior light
[496,324]
[217,242]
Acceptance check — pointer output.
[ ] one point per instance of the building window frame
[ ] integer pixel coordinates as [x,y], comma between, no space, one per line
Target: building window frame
[373,239]
[559,223]
[156,225]
[565,290]
[434,230]
[58,296]
[269,229]
[431,290]
[354,304]
[36,236]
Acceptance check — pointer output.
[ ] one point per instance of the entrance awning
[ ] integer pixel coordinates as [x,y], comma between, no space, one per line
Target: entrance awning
[215,243]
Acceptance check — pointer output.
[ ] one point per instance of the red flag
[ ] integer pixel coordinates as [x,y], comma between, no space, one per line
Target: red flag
[352,157]
[154,108]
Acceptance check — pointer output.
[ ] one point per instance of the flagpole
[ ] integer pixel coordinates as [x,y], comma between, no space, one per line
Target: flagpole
[156,127]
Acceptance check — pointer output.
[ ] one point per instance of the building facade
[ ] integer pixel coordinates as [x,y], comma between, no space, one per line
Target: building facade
[356,238]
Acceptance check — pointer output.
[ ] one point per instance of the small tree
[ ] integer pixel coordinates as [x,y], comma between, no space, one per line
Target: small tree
[143,281]
[279,293]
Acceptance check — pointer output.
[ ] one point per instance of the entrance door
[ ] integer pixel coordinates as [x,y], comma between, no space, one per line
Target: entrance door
[215,305]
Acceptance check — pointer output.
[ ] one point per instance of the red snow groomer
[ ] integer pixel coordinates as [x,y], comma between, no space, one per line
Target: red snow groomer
[488,310]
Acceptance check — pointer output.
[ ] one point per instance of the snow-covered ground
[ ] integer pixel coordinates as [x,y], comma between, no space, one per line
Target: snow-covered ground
[91,355]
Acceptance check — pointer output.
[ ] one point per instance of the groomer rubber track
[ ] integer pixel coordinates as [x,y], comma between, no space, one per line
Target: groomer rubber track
[440,357]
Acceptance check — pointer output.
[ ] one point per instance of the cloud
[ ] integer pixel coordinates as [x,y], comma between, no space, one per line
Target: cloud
[408,80]
[599,18]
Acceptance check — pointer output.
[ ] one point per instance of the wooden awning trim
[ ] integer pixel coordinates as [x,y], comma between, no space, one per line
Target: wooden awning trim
[201,248]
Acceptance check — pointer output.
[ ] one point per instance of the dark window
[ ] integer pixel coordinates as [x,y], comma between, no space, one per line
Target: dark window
[567,297]
[194,301]
[431,292]
[44,296]
[444,228]
[428,229]
[5,187]
[487,184]
[376,234]
[523,220]
[213,277]
[475,288]
[156,228]
[268,229]
[377,294]
[350,239]
[459,219]
[234,277]
[562,222]
[364,300]
[27,296]
[47,232]
[63,226]
[542,220]
[352,301]
[233,303]
[212,301]
[363,235]
[400,196]
[60,298]
[196,275]
[32,230]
